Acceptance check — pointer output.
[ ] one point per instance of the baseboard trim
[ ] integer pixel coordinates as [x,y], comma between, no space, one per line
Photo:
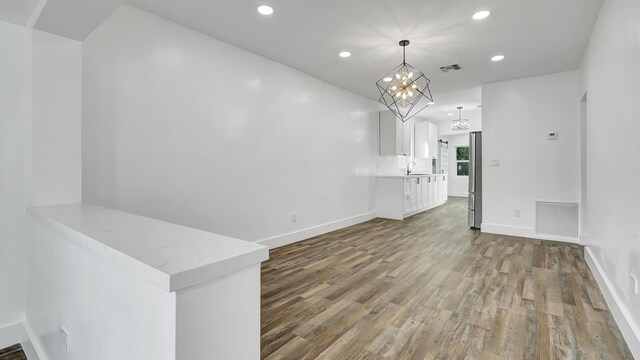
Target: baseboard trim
[458,194]
[11,334]
[299,235]
[523,232]
[33,347]
[20,332]
[628,327]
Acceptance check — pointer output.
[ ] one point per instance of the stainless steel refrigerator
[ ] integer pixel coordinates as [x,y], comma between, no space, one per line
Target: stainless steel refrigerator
[475,179]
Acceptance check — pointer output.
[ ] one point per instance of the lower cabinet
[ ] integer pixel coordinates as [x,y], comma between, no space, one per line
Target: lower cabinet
[400,197]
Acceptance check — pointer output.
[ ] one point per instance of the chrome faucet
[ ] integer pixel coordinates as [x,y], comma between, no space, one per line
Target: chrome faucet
[410,166]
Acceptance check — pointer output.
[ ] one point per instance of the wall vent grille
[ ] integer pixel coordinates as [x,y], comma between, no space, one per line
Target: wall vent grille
[454,67]
[557,219]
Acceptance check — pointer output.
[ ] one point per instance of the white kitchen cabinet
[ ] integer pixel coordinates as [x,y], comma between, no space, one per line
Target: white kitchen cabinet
[399,197]
[436,190]
[424,185]
[433,140]
[425,140]
[444,191]
[395,135]
[432,191]
[421,140]
[414,194]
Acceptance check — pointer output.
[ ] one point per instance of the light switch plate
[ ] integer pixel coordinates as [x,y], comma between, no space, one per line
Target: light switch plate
[553,136]
[495,162]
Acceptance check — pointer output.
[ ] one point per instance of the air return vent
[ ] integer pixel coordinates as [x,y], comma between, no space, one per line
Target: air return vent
[454,67]
[557,219]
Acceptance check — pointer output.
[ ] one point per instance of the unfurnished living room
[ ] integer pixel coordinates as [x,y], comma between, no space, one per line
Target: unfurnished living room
[297,179]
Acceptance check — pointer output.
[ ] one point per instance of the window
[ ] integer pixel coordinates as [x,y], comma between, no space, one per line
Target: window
[462,160]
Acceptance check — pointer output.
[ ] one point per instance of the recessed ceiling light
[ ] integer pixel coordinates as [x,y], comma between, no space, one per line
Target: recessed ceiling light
[265,10]
[344,54]
[387,79]
[430,103]
[497,58]
[481,15]
[450,114]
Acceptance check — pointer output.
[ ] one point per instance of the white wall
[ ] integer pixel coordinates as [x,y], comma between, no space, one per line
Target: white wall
[516,118]
[612,80]
[15,116]
[181,127]
[458,185]
[57,116]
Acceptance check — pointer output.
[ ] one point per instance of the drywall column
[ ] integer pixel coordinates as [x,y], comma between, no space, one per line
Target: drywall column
[220,319]
[15,104]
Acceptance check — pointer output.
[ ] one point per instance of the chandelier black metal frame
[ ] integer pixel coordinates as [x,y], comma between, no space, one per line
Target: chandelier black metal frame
[405,89]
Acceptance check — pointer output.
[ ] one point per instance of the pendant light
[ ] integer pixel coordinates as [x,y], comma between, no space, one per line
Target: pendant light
[405,89]
[460,124]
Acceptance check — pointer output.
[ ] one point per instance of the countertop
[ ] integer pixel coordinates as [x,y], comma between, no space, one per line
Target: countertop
[170,256]
[408,176]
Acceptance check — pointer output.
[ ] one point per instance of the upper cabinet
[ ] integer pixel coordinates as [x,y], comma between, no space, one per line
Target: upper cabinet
[425,140]
[395,135]
[433,140]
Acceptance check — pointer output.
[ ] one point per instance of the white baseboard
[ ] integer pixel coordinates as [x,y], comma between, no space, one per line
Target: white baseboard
[32,347]
[11,334]
[458,194]
[522,232]
[292,237]
[20,332]
[628,327]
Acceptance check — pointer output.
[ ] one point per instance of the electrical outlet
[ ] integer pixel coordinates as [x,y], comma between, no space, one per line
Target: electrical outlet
[516,212]
[636,286]
[67,338]
[294,217]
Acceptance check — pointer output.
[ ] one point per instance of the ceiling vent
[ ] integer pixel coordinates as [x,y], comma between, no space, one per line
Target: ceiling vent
[454,67]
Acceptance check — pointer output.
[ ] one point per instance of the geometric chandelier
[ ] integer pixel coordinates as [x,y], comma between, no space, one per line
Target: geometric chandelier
[405,89]
[460,124]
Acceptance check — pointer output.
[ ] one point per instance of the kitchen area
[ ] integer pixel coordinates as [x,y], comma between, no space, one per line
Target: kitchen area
[420,182]
[427,157]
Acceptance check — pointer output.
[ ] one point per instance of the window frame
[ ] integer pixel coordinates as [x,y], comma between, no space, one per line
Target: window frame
[462,161]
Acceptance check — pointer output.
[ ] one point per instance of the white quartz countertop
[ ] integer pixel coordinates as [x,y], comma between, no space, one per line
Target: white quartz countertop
[170,256]
[408,176]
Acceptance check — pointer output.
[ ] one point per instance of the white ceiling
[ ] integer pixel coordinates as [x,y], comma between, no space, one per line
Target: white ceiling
[17,11]
[536,36]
